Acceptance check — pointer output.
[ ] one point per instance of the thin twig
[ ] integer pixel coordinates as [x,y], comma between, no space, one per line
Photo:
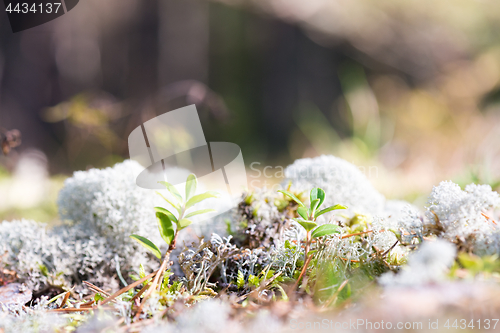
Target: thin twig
[335,295]
[385,253]
[159,274]
[153,285]
[306,263]
[127,288]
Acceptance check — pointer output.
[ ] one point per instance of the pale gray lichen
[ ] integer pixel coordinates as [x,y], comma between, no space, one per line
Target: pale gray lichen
[200,260]
[258,220]
[109,201]
[60,256]
[33,253]
[459,216]
[100,209]
[216,316]
[343,182]
[284,256]
[34,321]
[108,206]
[428,264]
[209,316]
[408,222]
[351,248]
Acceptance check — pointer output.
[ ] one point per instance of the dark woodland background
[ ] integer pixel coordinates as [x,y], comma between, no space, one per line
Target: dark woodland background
[408,86]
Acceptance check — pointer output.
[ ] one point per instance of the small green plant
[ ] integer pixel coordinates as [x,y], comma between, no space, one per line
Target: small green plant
[307,220]
[475,265]
[169,225]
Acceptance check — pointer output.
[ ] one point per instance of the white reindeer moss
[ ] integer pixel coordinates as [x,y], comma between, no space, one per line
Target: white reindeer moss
[342,181]
[100,208]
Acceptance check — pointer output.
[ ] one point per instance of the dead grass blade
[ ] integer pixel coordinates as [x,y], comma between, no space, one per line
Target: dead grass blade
[127,288]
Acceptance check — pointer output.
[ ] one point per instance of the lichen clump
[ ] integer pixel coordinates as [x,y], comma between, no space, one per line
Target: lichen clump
[300,246]
[461,216]
[343,181]
[100,209]
[109,202]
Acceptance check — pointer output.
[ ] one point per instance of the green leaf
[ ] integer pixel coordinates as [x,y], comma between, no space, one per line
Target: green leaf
[44,270]
[303,212]
[175,205]
[166,227]
[325,229]
[183,223]
[317,193]
[301,204]
[314,205]
[201,211]
[269,274]
[253,280]
[329,209]
[284,296]
[166,212]
[171,188]
[200,197]
[166,280]
[191,184]
[142,272]
[240,280]
[308,225]
[149,245]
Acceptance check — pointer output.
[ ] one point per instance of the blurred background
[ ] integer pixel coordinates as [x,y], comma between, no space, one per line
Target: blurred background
[407,90]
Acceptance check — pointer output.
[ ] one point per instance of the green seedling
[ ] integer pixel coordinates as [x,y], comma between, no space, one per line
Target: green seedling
[308,217]
[169,224]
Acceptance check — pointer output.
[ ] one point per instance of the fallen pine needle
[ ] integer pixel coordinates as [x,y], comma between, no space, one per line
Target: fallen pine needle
[358,233]
[153,285]
[333,298]
[96,289]
[65,299]
[127,288]
[489,218]
[74,309]
[351,260]
[140,292]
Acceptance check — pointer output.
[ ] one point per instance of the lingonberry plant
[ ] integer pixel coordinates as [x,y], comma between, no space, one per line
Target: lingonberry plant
[307,220]
[166,219]
[169,225]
